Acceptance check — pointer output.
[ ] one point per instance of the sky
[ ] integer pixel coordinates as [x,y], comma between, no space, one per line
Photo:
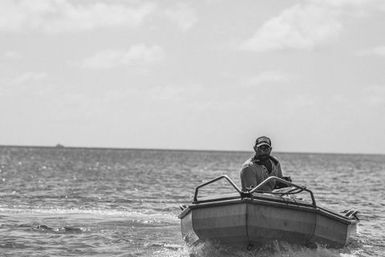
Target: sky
[209,74]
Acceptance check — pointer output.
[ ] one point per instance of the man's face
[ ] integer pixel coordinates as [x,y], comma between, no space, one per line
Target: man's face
[263,150]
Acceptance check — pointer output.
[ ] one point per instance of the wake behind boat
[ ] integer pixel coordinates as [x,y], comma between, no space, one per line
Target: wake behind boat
[253,218]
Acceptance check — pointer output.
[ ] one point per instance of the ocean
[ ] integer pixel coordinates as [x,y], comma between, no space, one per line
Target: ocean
[125,202]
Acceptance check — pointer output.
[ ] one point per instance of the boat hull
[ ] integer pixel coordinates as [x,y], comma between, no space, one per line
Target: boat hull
[259,220]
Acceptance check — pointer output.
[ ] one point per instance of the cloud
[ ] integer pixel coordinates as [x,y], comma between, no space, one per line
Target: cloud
[373,95]
[355,5]
[137,55]
[22,82]
[267,77]
[377,51]
[299,27]
[54,16]
[28,77]
[176,92]
[299,102]
[183,15]
[307,25]
[12,55]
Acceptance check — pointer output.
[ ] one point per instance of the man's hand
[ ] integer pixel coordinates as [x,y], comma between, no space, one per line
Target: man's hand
[288,178]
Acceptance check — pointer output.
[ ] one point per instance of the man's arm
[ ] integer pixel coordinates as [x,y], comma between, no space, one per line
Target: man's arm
[279,170]
[248,178]
[279,174]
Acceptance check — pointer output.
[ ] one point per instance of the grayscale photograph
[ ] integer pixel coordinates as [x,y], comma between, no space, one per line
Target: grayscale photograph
[181,128]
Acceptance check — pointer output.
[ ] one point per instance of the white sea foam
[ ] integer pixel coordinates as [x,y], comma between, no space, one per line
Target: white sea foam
[145,217]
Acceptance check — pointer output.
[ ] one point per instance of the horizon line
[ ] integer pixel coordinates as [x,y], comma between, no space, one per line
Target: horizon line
[60,146]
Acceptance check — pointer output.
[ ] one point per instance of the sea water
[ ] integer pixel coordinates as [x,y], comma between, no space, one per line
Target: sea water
[116,202]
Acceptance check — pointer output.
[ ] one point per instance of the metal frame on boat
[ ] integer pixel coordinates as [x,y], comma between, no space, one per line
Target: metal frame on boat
[253,217]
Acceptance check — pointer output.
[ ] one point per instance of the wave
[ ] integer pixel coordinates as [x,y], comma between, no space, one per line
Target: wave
[140,217]
[273,249]
[59,230]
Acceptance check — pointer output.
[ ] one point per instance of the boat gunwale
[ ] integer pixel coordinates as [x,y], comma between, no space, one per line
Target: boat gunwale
[255,200]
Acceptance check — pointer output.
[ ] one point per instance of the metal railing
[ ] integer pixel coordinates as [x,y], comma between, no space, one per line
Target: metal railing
[295,190]
[215,180]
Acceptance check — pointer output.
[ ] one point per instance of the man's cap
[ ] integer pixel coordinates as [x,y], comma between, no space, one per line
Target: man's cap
[262,141]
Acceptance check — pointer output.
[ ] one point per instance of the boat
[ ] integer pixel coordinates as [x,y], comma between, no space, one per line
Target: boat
[252,218]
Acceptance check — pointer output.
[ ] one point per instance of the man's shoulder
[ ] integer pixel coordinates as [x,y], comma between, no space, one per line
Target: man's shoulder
[274,160]
[247,163]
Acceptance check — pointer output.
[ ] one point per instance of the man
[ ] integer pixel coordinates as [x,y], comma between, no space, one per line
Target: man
[261,166]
